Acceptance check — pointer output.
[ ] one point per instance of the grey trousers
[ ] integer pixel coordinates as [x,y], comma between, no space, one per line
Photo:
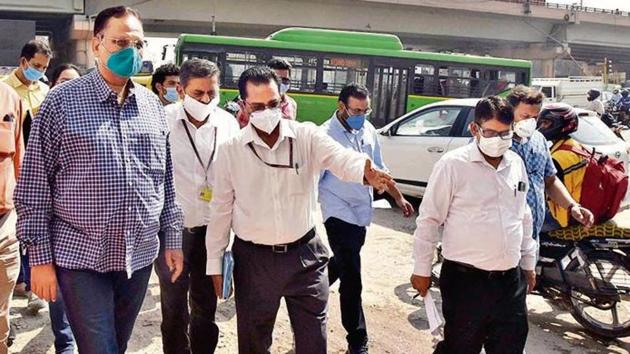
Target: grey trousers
[262,278]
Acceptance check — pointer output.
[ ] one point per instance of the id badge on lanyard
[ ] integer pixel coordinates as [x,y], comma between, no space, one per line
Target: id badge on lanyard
[205,193]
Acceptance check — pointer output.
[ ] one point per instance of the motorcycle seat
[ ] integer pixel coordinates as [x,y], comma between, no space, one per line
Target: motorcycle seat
[617,227]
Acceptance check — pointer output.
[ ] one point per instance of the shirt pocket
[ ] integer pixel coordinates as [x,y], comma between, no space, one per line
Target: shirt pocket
[7,138]
[149,149]
[297,177]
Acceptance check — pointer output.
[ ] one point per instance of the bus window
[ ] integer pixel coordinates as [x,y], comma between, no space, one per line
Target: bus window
[213,57]
[475,87]
[508,76]
[424,80]
[459,82]
[497,81]
[340,71]
[443,85]
[236,63]
[303,72]
[506,81]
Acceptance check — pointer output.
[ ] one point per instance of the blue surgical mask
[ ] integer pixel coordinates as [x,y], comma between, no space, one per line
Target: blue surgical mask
[125,62]
[171,94]
[32,74]
[284,88]
[356,122]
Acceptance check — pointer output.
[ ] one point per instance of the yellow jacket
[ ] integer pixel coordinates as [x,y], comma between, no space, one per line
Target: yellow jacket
[571,170]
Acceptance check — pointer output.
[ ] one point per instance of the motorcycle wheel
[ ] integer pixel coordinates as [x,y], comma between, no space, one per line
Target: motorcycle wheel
[603,317]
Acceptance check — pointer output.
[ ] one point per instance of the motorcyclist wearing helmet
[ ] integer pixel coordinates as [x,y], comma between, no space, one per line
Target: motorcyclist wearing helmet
[594,104]
[532,148]
[556,121]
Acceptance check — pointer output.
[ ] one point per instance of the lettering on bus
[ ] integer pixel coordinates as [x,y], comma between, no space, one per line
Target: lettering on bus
[339,71]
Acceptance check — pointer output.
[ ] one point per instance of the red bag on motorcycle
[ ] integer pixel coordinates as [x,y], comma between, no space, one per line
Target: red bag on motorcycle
[605,183]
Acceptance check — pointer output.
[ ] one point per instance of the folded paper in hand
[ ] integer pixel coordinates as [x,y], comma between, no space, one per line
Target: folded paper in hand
[433,315]
[228,267]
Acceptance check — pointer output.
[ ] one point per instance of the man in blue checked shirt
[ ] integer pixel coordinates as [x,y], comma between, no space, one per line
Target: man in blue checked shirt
[347,209]
[96,187]
[532,147]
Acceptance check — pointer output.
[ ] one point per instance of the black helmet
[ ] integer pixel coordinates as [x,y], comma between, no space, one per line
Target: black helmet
[616,91]
[593,94]
[624,93]
[557,121]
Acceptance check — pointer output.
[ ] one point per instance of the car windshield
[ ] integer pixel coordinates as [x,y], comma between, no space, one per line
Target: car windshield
[592,131]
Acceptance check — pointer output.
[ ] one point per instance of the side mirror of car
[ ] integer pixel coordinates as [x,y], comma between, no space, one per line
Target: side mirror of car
[389,132]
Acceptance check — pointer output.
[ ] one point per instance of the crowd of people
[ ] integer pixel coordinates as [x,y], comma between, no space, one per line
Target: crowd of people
[118,180]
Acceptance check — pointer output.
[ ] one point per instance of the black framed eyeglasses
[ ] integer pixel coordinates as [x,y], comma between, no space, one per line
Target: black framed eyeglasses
[489,133]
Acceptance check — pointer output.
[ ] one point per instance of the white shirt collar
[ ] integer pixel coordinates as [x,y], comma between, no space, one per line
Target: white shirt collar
[250,135]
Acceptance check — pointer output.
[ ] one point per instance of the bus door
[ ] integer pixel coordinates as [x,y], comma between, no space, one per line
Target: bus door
[389,93]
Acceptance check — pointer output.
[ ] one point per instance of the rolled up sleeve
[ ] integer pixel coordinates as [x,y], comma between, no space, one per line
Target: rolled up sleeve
[528,245]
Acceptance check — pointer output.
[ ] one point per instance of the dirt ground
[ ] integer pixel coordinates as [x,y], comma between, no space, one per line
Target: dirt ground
[396,323]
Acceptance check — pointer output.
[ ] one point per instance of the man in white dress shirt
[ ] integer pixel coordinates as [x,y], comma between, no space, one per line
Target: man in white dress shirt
[478,192]
[264,190]
[197,129]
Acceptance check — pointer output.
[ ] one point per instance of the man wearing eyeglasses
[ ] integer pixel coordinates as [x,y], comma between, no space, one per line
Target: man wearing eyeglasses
[264,190]
[347,209]
[478,194]
[97,187]
[198,129]
[288,106]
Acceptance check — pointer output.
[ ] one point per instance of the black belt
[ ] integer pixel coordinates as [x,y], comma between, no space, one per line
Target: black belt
[283,248]
[194,230]
[467,268]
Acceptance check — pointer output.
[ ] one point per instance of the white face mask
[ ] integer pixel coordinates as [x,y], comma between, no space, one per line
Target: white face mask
[266,120]
[494,147]
[199,110]
[525,128]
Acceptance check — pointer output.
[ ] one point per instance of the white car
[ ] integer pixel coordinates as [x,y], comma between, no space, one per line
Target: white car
[413,143]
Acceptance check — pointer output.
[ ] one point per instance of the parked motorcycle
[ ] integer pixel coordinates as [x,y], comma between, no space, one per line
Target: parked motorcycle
[590,278]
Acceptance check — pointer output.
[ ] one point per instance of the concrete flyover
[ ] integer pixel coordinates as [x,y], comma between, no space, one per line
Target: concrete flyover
[560,41]
[543,33]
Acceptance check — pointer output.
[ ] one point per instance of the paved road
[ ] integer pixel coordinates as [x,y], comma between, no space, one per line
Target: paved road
[396,323]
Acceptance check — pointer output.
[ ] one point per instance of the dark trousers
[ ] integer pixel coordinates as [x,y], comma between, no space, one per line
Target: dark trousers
[262,278]
[185,331]
[346,240]
[64,339]
[102,307]
[25,271]
[482,310]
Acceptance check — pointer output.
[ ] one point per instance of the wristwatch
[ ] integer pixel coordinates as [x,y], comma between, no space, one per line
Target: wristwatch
[573,205]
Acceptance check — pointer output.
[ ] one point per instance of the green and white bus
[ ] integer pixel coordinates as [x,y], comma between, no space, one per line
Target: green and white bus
[325,60]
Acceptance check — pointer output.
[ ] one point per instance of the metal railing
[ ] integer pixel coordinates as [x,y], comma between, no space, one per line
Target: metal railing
[571,7]
[579,8]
